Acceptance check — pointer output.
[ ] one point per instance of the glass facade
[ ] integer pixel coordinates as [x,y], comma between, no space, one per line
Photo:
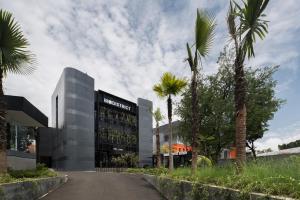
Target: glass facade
[21,138]
[116,129]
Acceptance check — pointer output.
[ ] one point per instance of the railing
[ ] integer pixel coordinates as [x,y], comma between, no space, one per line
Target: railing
[111,169]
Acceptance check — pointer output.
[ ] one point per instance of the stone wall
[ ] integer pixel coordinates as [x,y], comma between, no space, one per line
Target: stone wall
[185,190]
[30,190]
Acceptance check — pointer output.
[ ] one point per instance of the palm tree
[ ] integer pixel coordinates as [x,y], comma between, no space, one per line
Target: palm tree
[245,23]
[204,35]
[169,85]
[14,58]
[157,117]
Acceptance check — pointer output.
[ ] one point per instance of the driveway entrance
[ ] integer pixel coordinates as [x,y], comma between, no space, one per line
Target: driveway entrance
[104,186]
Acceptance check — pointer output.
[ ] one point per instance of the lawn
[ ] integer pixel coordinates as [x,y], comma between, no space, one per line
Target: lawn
[275,177]
[23,175]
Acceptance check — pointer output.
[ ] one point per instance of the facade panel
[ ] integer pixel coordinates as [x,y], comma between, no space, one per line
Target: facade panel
[145,132]
[75,134]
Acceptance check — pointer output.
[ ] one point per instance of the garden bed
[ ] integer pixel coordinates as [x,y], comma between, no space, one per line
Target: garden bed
[173,189]
[29,184]
[26,175]
[270,177]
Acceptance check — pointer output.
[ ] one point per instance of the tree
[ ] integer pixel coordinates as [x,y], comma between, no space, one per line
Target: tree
[245,23]
[157,117]
[289,145]
[261,103]
[169,85]
[204,34]
[217,112]
[14,58]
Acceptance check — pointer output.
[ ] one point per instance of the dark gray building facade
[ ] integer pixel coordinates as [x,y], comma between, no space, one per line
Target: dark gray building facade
[73,118]
[145,129]
[91,127]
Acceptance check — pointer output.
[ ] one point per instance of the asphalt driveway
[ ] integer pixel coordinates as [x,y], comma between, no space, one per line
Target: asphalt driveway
[104,186]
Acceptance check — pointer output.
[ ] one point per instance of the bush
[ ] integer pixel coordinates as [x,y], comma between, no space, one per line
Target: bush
[40,171]
[152,171]
[203,161]
[126,160]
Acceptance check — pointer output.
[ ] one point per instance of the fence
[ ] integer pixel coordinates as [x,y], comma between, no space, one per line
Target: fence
[111,169]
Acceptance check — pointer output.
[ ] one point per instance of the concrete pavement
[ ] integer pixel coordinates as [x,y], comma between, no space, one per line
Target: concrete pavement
[104,186]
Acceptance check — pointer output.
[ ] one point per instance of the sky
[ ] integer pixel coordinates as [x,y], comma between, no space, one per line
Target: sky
[127,45]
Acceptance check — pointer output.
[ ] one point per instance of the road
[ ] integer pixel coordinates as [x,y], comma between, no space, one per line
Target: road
[104,186]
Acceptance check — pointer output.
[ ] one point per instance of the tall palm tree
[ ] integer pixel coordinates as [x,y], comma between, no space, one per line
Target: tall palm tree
[14,58]
[169,85]
[204,35]
[245,23]
[157,117]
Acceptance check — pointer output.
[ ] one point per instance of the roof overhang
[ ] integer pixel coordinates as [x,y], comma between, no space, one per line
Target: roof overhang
[20,110]
[22,118]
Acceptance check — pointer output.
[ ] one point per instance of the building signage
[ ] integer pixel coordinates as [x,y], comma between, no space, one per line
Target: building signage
[117,104]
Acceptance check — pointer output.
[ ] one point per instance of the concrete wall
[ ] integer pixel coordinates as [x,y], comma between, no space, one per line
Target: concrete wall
[19,163]
[145,132]
[29,190]
[74,146]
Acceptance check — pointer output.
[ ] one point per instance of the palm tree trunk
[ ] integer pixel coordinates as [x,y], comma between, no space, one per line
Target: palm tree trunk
[171,164]
[241,112]
[157,146]
[3,159]
[194,122]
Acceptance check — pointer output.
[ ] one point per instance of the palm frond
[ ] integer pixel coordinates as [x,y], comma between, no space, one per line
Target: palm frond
[252,23]
[231,21]
[204,32]
[158,89]
[190,58]
[169,85]
[157,115]
[15,58]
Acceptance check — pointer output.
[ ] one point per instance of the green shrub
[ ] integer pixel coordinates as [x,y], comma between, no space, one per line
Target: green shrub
[125,160]
[40,171]
[269,176]
[203,161]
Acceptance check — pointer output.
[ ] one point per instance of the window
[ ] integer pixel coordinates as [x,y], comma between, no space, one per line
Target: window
[21,138]
[166,138]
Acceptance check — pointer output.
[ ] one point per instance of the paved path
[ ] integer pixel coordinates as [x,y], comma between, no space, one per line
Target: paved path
[104,186]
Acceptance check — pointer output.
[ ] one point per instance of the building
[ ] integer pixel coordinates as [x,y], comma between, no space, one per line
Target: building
[22,122]
[91,127]
[178,145]
[180,150]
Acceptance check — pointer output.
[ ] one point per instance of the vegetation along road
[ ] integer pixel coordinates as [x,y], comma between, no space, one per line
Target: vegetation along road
[104,186]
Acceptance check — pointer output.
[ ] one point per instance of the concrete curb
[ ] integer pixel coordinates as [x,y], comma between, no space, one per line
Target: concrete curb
[186,190]
[32,189]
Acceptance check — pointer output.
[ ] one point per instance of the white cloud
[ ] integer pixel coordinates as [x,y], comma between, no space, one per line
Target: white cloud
[127,45]
[279,136]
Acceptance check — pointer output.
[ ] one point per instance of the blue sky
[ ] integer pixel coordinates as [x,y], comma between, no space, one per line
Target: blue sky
[127,45]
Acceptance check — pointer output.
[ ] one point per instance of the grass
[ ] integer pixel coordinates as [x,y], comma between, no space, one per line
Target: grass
[274,177]
[22,175]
